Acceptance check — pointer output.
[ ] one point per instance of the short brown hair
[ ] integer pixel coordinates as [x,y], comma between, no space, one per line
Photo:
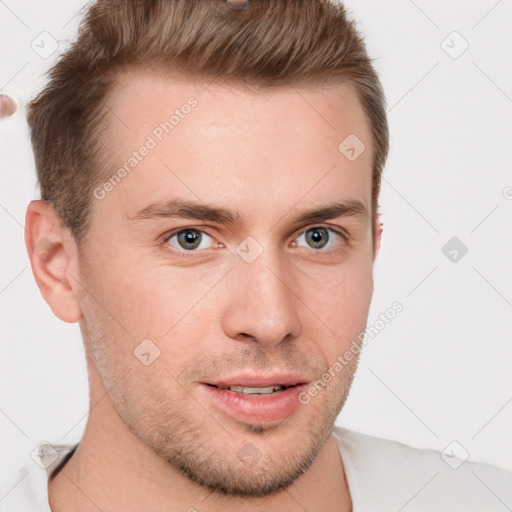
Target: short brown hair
[272,43]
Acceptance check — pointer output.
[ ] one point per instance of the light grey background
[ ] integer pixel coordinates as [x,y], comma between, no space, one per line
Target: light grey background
[440,371]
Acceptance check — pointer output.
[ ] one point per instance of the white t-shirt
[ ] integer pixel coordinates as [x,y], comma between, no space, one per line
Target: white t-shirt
[382,475]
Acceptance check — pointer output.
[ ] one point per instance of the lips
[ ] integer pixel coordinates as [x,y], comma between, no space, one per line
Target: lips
[252,398]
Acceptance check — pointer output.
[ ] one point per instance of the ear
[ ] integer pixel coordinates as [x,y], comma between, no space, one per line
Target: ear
[379,227]
[54,259]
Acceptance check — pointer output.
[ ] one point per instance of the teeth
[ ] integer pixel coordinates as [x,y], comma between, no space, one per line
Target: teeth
[256,391]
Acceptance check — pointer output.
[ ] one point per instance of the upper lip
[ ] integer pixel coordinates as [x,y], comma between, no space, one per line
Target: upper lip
[254,380]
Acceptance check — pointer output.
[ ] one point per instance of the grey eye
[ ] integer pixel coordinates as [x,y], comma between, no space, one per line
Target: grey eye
[317,238]
[190,239]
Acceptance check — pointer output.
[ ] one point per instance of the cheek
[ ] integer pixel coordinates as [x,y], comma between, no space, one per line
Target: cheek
[173,308]
[147,300]
[340,302]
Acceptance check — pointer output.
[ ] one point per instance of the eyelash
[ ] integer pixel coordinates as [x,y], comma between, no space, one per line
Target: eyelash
[198,253]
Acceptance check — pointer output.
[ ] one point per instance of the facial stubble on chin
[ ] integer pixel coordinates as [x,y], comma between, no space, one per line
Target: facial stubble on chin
[214,471]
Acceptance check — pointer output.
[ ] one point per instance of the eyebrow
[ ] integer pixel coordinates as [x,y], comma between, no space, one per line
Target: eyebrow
[181,208]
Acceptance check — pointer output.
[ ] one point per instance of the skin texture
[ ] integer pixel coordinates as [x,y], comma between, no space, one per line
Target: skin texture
[154,440]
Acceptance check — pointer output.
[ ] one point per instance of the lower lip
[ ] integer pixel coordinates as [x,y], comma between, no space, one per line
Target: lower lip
[255,408]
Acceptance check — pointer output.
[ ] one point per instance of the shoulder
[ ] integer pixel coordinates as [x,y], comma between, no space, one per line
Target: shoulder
[389,475]
[28,489]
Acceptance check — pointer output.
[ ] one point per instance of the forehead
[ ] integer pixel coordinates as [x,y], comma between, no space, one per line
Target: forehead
[223,143]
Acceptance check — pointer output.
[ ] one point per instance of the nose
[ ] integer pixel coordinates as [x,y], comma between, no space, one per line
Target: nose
[261,305]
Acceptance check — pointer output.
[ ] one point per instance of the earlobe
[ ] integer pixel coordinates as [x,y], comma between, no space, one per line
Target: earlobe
[53,258]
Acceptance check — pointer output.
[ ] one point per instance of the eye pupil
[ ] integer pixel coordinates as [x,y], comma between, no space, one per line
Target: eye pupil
[317,237]
[189,239]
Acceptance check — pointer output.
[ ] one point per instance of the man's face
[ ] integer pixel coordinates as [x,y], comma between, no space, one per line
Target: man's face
[242,299]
